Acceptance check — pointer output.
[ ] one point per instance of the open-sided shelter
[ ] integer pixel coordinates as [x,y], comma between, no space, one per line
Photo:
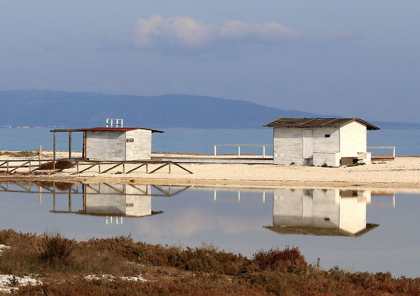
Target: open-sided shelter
[114,143]
[319,141]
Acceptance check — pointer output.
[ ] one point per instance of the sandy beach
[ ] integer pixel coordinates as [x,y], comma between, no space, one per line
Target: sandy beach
[401,173]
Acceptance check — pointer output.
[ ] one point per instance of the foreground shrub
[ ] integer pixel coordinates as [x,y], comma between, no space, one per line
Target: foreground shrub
[56,250]
[287,260]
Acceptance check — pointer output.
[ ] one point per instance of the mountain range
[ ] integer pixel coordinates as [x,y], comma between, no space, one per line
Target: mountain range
[48,108]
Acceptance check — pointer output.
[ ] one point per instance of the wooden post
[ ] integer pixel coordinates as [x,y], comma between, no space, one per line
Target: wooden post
[54,152]
[169,164]
[84,145]
[70,135]
[40,154]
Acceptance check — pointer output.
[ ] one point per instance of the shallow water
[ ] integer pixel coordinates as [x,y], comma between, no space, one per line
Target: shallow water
[356,230]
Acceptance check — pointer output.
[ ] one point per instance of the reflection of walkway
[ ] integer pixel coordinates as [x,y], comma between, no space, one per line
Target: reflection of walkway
[329,212]
[99,199]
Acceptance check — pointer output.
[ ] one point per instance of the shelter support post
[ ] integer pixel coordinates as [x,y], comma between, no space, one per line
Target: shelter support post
[54,144]
[84,146]
[70,136]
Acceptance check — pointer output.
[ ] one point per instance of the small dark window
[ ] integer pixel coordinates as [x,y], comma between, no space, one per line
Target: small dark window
[129,140]
[327,136]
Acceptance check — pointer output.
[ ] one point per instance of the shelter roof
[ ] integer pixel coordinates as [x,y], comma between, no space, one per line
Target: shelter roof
[317,122]
[105,129]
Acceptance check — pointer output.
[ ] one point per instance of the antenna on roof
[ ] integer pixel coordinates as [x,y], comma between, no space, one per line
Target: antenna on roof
[119,122]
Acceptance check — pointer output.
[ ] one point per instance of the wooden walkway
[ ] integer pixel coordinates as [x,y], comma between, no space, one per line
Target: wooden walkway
[102,167]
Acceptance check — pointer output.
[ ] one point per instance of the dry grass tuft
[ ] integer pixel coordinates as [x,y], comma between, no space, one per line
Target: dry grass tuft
[59,165]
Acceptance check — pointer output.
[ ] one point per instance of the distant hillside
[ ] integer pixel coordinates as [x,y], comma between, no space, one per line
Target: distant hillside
[75,109]
[79,109]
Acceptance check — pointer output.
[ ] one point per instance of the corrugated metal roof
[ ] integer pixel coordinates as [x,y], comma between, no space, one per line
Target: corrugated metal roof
[317,122]
[105,129]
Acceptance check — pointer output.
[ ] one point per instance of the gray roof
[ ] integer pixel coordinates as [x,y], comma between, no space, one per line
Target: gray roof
[317,122]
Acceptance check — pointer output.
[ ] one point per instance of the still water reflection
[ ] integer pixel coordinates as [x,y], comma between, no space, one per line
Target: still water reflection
[354,229]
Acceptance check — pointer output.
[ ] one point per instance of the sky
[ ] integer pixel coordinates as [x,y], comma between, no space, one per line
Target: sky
[347,58]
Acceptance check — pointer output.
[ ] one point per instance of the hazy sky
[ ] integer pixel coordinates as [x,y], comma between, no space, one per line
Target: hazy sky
[349,58]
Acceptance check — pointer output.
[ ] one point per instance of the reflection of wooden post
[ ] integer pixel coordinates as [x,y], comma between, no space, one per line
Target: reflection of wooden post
[70,134]
[54,196]
[40,194]
[84,201]
[54,153]
[69,200]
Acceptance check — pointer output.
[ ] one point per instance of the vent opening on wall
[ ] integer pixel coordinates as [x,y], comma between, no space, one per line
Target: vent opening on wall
[130,140]
[327,136]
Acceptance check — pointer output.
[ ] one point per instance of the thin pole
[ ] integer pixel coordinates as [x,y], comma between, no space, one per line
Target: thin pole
[54,153]
[85,144]
[70,135]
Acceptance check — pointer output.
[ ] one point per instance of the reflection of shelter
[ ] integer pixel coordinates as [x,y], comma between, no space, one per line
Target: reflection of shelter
[329,212]
[118,200]
[318,141]
[113,143]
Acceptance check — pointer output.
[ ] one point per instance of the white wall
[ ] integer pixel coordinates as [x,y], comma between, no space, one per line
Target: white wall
[353,139]
[288,145]
[105,145]
[141,148]
[323,144]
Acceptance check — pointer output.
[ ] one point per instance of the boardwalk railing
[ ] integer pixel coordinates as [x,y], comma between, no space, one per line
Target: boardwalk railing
[102,167]
[243,145]
[384,147]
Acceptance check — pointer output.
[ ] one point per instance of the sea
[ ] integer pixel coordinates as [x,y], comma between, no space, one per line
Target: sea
[362,230]
[406,141]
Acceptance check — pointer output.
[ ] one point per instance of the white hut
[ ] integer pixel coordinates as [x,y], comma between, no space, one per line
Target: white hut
[114,143]
[319,141]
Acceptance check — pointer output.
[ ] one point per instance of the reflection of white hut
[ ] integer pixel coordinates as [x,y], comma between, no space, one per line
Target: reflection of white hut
[320,212]
[319,141]
[118,200]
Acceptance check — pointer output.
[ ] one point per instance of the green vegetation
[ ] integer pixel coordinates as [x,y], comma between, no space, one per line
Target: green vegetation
[62,264]
[19,153]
